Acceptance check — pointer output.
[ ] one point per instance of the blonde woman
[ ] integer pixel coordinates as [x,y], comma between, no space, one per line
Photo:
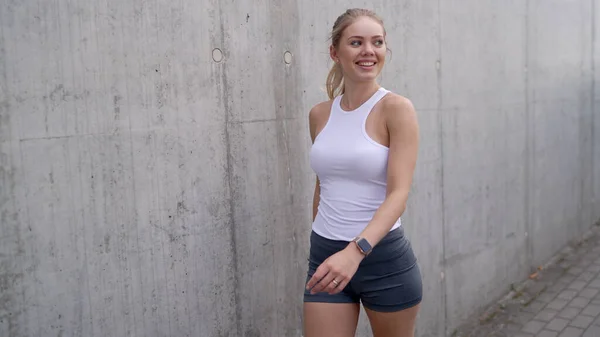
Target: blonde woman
[365,142]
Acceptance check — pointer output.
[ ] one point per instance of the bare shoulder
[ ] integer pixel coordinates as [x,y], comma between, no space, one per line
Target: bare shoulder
[401,120]
[318,116]
[397,107]
[320,111]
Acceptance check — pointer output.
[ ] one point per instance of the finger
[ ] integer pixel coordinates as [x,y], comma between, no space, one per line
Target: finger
[321,271]
[332,286]
[325,281]
[339,285]
[342,285]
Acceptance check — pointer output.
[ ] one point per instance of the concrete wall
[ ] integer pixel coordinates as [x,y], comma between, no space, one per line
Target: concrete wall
[148,190]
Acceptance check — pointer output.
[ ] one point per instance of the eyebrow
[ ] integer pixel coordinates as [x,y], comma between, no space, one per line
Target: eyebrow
[361,37]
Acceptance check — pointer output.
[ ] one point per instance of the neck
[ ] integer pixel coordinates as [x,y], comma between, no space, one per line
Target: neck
[355,94]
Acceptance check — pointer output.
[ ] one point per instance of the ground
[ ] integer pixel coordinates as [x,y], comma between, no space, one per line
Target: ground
[562,299]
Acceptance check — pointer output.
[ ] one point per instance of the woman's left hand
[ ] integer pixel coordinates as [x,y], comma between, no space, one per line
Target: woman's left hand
[339,267]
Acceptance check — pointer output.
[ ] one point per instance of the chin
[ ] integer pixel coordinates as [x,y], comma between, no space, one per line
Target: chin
[360,75]
[367,77]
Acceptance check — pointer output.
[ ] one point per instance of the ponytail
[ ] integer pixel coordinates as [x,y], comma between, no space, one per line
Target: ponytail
[335,81]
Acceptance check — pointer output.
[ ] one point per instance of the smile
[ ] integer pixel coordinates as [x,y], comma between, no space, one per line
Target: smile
[366,64]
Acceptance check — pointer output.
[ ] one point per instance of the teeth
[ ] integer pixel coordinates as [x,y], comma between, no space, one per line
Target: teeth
[366,64]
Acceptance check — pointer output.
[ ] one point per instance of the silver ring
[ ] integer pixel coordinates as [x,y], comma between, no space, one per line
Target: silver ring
[336,283]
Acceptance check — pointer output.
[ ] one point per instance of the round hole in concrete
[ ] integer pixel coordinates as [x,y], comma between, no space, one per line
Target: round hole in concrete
[287,57]
[217,55]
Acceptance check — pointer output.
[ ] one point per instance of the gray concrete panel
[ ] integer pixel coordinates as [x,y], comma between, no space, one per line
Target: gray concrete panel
[265,122]
[123,144]
[269,233]
[484,119]
[557,106]
[584,107]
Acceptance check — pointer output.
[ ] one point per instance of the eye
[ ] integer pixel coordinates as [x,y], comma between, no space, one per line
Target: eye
[355,43]
[379,43]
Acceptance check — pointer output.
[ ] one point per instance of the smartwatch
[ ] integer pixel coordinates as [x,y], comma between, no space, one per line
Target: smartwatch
[363,245]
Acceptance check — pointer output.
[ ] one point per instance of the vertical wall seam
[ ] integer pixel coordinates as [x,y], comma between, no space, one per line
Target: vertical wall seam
[444,284]
[528,147]
[230,182]
[582,118]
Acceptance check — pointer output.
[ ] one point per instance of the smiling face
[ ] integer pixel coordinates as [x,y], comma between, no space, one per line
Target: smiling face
[361,50]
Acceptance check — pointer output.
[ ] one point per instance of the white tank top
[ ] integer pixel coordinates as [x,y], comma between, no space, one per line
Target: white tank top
[352,170]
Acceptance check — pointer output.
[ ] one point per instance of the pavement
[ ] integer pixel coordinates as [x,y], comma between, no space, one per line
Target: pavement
[561,299]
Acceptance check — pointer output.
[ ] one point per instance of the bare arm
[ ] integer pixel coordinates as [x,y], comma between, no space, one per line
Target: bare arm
[401,121]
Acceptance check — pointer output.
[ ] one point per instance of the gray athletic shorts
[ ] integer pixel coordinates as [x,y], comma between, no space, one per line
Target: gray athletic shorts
[387,280]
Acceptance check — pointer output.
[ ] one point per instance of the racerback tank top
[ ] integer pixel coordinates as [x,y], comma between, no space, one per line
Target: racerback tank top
[352,170]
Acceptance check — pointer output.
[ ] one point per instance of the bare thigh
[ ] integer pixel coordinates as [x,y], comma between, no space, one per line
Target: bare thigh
[393,324]
[330,319]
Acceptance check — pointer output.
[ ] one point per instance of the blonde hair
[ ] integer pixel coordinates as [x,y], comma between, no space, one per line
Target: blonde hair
[335,78]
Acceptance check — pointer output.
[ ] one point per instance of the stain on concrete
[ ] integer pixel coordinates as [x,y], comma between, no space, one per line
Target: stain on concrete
[5,132]
[107,243]
[181,207]
[10,300]
[58,93]
[117,106]
[11,272]
[61,94]
[252,332]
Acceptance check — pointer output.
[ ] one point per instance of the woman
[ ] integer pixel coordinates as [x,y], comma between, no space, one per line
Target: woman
[365,142]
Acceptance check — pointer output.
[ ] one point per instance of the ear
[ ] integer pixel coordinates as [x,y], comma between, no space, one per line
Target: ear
[333,53]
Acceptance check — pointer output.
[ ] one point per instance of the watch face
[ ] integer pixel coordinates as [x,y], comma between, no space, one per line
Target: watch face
[364,245]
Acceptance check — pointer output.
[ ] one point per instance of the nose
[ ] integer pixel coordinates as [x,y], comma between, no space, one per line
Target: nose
[368,48]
